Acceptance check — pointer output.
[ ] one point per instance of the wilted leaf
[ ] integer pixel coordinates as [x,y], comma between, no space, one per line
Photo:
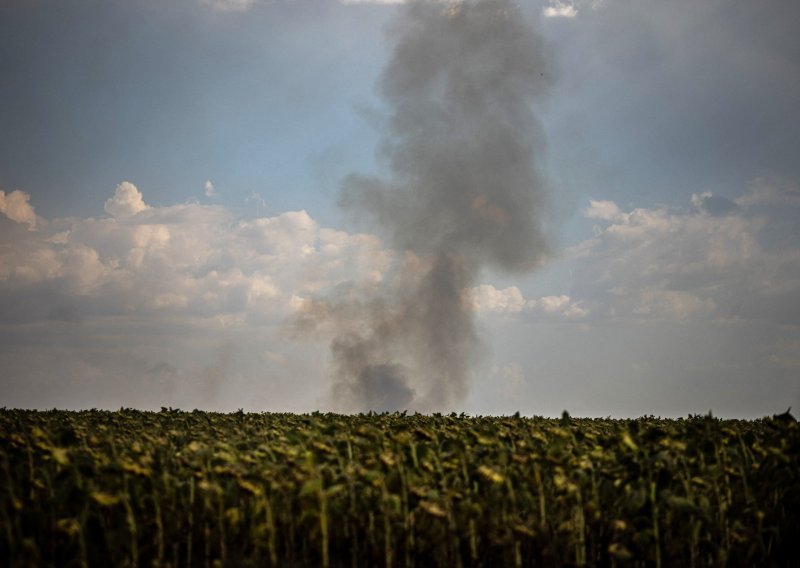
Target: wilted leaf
[524,530]
[250,487]
[334,489]
[69,526]
[619,551]
[491,474]
[136,469]
[628,442]
[105,499]
[233,515]
[60,456]
[206,485]
[432,509]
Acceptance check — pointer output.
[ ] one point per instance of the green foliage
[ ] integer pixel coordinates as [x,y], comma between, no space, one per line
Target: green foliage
[175,488]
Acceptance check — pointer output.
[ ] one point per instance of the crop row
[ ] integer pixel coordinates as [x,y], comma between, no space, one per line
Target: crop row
[175,488]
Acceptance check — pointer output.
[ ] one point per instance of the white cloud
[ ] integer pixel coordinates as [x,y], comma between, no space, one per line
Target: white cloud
[709,261]
[209,189]
[569,8]
[489,300]
[143,306]
[16,206]
[189,260]
[604,210]
[561,305]
[127,201]
[560,9]
[199,261]
[23,264]
[130,309]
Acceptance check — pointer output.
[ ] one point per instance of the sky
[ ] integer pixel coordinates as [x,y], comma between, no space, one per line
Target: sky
[172,175]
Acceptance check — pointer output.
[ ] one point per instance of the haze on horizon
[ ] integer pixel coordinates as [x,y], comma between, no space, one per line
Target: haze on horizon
[170,179]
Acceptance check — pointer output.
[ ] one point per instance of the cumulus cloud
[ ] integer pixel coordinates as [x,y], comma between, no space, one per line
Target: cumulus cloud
[604,210]
[568,8]
[127,201]
[487,299]
[140,307]
[708,261]
[559,9]
[562,305]
[16,206]
[209,189]
[133,306]
[191,259]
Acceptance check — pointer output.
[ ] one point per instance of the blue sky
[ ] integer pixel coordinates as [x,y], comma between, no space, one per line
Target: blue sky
[171,171]
[172,94]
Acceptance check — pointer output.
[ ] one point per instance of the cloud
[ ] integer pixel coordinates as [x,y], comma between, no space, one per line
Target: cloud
[209,189]
[188,260]
[553,9]
[604,210]
[712,261]
[561,305]
[127,201]
[130,309]
[765,192]
[185,305]
[560,9]
[16,206]
[568,8]
[487,299]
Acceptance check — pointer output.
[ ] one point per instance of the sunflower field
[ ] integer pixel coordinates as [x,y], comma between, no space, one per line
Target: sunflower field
[173,488]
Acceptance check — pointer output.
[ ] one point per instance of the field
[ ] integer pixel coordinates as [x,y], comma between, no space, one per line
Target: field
[175,488]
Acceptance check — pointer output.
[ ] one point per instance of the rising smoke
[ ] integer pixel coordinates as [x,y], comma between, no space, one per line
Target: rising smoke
[463,194]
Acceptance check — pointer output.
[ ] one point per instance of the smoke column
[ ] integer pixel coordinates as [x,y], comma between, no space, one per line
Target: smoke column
[463,194]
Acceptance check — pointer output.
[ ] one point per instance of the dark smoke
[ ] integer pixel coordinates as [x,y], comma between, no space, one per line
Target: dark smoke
[463,194]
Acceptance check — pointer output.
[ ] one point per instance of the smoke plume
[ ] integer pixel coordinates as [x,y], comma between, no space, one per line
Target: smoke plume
[463,194]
